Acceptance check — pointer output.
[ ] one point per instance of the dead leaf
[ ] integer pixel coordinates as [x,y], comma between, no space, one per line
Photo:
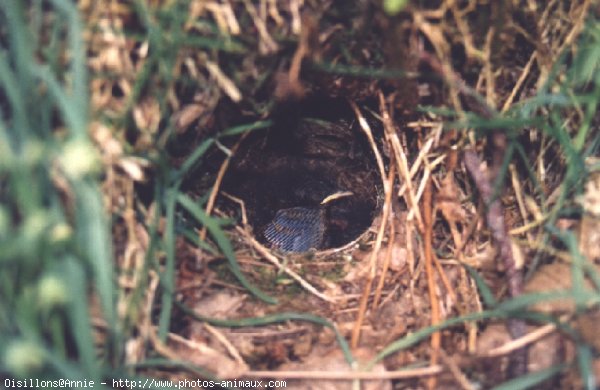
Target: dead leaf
[134,167]
[448,200]
[146,115]
[219,305]
[208,358]
[553,277]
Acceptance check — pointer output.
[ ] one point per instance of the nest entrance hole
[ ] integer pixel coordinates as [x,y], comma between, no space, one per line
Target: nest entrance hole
[314,149]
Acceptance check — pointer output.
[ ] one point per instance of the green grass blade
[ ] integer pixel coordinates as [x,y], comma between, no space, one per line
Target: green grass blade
[272,319]
[78,312]
[219,236]
[78,73]
[531,379]
[168,276]
[94,241]
[236,130]
[585,359]
[193,158]
[14,95]
[484,290]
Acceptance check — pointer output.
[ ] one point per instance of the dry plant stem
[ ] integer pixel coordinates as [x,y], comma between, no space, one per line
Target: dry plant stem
[215,190]
[468,233]
[404,176]
[217,14]
[439,42]
[457,238]
[388,258]
[224,82]
[445,281]
[296,18]
[494,216]
[458,375]
[364,125]
[519,83]
[173,353]
[241,204]
[472,340]
[577,27]
[490,80]
[461,23]
[462,306]
[519,196]
[495,222]
[521,342]
[416,276]
[273,259]
[347,375]
[435,305]
[362,308]
[301,52]
[274,13]
[226,343]
[161,347]
[268,45]
[423,151]
[234,26]
[454,81]
[224,16]
[527,227]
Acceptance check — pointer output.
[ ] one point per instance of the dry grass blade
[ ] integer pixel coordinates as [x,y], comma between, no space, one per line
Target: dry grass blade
[388,258]
[219,179]
[456,372]
[400,159]
[266,253]
[435,306]
[267,44]
[224,82]
[519,343]
[362,309]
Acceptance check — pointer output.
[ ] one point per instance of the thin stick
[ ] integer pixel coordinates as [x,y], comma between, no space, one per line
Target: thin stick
[519,196]
[266,253]
[497,226]
[386,264]
[445,281]
[275,261]
[519,82]
[387,205]
[400,159]
[268,45]
[226,343]
[519,343]
[215,190]
[458,375]
[364,125]
[242,207]
[435,305]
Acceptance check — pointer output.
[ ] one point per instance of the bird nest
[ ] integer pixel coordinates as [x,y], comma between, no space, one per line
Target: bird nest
[285,172]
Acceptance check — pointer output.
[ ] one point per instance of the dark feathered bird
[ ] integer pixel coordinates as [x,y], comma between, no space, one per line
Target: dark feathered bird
[299,229]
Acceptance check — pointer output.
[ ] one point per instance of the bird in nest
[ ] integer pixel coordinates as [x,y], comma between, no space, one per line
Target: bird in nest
[300,229]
